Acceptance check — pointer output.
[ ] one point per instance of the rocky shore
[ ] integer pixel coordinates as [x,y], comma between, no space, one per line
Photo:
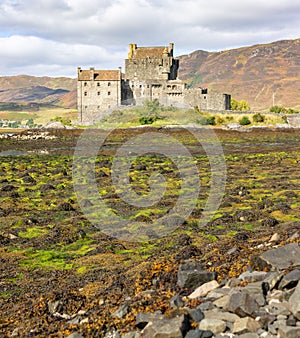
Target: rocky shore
[259,303]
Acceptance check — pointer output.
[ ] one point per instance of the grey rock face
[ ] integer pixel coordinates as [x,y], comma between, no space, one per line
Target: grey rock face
[242,303]
[283,257]
[294,302]
[214,325]
[191,275]
[142,319]
[245,325]
[168,328]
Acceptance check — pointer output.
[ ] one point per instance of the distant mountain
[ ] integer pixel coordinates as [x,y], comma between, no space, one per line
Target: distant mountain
[256,74]
[60,91]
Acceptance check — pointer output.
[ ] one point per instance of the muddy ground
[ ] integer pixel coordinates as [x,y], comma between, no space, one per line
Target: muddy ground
[53,253]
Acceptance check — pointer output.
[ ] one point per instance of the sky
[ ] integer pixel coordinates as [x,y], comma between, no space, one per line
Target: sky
[54,37]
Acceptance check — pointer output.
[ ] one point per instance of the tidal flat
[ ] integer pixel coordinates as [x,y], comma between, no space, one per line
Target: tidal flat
[52,253]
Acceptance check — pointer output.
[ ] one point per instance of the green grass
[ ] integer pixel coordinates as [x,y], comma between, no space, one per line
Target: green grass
[32,232]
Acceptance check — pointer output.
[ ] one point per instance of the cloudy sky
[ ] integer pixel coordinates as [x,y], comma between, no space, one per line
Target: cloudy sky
[53,37]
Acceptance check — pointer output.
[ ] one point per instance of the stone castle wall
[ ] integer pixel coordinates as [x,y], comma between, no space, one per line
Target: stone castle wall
[150,73]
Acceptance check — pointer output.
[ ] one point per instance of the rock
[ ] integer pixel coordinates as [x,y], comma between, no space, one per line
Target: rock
[273,279]
[294,302]
[254,276]
[281,258]
[142,319]
[176,327]
[257,290]
[176,302]
[242,303]
[214,325]
[277,308]
[218,293]
[131,335]
[204,289]
[199,334]
[54,307]
[75,320]
[244,325]
[269,222]
[206,306]
[112,334]
[191,275]
[222,302]
[188,252]
[15,332]
[290,280]
[289,332]
[231,251]
[196,314]
[8,187]
[225,316]
[121,312]
[75,335]
[249,335]
[54,125]
[275,238]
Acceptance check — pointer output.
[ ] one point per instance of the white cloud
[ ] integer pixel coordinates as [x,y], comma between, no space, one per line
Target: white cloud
[20,54]
[97,32]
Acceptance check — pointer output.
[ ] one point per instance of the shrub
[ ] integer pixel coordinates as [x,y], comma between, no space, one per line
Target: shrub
[277,109]
[258,118]
[147,119]
[211,120]
[205,121]
[63,120]
[244,121]
[219,120]
[202,120]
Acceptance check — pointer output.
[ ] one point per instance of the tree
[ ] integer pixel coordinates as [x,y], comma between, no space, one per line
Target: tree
[30,123]
[242,105]
[150,112]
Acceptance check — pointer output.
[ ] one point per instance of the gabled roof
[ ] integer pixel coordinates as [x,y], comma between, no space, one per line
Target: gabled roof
[99,75]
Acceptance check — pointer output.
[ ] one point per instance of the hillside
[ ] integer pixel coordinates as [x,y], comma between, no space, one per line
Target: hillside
[258,74]
[60,91]
[252,73]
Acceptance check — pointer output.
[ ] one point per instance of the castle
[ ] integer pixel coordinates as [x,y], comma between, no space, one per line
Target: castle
[150,73]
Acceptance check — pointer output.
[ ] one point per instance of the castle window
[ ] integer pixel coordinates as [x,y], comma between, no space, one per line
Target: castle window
[108,84]
[98,84]
[85,93]
[140,86]
[98,93]
[108,93]
[85,84]
[204,97]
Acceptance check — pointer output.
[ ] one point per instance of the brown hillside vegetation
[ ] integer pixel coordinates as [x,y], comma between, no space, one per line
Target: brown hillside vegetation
[252,73]
[60,91]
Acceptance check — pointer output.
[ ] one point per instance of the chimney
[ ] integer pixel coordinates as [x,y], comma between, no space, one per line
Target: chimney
[92,72]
